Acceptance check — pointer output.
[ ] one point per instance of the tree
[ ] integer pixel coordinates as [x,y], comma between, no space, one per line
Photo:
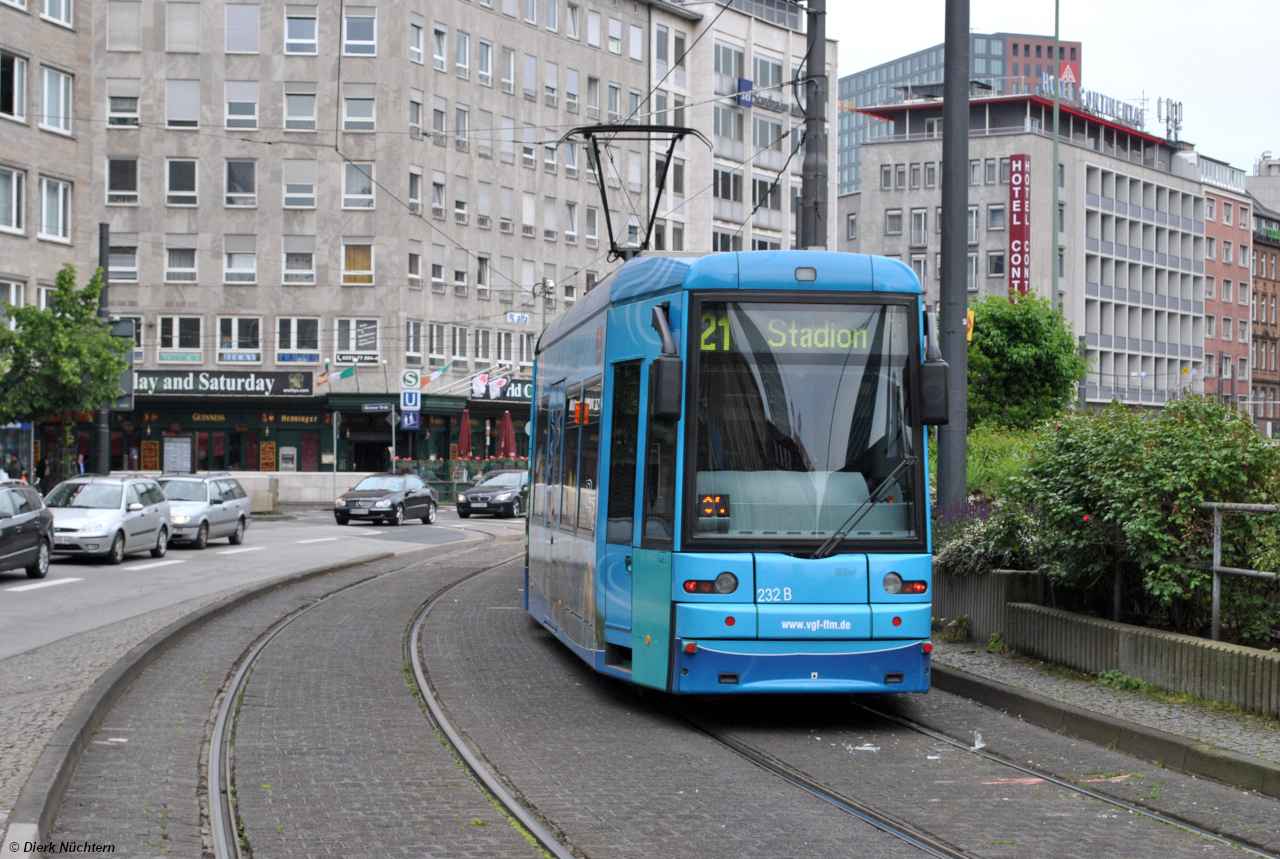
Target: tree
[1023,362]
[60,360]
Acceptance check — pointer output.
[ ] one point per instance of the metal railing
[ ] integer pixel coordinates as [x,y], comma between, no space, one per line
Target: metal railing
[1218,570]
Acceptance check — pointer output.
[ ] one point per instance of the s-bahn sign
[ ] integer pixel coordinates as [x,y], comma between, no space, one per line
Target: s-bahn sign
[222,383]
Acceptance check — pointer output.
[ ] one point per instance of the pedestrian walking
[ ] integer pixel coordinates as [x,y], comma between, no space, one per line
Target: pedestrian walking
[80,466]
[42,470]
[16,469]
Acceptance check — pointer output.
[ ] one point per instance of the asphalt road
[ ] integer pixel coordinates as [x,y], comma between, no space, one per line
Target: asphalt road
[80,594]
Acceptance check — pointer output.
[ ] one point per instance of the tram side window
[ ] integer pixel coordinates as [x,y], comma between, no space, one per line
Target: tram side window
[538,498]
[589,457]
[659,486]
[569,464]
[623,441]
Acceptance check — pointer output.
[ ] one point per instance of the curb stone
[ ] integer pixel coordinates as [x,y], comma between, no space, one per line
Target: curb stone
[41,797]
[1170,750]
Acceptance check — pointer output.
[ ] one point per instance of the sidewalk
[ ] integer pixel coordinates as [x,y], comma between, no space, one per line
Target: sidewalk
[1191,725]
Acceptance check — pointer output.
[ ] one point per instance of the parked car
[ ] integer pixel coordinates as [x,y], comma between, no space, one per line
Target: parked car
[26,529]
[388,498]
[502,493]
[110,516]
[207,506]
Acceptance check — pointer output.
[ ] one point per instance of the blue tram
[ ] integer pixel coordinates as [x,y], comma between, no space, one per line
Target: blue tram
[729,488]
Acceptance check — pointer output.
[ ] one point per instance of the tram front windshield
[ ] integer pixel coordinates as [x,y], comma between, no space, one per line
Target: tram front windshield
[803,410]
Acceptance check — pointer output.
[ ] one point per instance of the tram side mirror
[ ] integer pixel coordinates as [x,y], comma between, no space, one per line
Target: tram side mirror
[934,398]
[665,395]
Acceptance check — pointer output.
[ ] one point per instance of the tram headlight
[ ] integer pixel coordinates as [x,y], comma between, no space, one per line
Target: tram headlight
[892,583]
[726,583]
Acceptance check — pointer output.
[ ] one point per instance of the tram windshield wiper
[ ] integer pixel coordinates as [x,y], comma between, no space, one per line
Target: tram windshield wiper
[828,546]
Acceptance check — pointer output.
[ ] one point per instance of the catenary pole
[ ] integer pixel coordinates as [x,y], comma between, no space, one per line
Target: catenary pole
[102,429]
[813,188]
[1057,93]
[952,438]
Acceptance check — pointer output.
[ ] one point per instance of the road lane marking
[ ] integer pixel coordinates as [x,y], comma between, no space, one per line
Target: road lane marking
[154,564]
[47,584]
[320,540]
[238,551]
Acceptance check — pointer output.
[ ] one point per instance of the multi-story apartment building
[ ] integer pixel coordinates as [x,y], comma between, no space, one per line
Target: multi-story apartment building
[1130,229]
[737,87]
[1227,289]
[999,63]
[1266,332]
[294,191]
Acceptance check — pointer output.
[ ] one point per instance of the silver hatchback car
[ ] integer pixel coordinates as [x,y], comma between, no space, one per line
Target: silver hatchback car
[206,506]
[109,516]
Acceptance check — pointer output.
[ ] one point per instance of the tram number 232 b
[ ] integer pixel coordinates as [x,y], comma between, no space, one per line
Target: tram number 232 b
[773,594]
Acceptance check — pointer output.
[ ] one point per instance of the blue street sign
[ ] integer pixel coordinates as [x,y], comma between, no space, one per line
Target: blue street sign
[410,401]
[410,420]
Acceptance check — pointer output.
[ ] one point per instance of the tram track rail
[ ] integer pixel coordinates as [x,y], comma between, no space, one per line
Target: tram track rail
[219,782]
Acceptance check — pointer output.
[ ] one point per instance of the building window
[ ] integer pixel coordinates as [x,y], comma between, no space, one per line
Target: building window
[886,177]
[919,264]
[413,343]
[484,64]
[357,189]
[1226,291]
[242,183]
[180,182]
[990,167]
[122,102]
[571,21]
[297,340]
[1209,204]
[242,28]
[995,217]
[13,86]
[12,199]
[360,32]
[723,241]
[122,181]
[241,256]
[615,37]
[358,110]
[55,210]
[593,29]
[919,227]
[971,273]
[180,259]
[240,339]
[462,55]
[299,180]
[180,333]
[527,343]
[1226,328]
[893,222]
[899,176]
[300,30]
[182,28]
[1226,213]
[1209,327]
[995,264]
[1226,246]
[56,10]
[851,227]
[55,100]
[122,259]
[417,39]
[439,47]
[242,103]
[356,341]
[972,225]
[975,172]
[357,263]
[182,104]
[299,109]
[299,260]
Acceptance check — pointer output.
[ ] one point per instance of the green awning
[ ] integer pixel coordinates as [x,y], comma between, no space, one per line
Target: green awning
[433,404]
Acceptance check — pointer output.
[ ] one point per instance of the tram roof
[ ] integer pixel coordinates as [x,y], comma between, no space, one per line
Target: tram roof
[654,273]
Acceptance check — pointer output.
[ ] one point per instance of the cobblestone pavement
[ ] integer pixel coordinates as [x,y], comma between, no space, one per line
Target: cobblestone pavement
[1244,815]
[1255,738]
[138,784]
[614,771]
[40,687]
[334,756]
[985,808]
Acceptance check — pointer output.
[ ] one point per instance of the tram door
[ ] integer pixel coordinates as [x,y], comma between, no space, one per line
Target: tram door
[624,440]
[552,547]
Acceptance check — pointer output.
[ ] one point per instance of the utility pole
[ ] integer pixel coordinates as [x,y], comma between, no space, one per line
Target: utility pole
[102,430]
[953,438]
[1057,86]
[813,190]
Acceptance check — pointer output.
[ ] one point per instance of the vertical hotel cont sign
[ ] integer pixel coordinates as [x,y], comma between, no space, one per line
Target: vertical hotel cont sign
[1020,224]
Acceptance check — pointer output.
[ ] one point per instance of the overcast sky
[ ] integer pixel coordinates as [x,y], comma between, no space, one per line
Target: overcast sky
[1218,59]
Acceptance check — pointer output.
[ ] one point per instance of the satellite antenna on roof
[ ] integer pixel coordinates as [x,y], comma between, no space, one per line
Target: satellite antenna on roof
[591,134]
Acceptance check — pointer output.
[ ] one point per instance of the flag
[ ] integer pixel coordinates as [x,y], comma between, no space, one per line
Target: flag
[326,376]
[427,380]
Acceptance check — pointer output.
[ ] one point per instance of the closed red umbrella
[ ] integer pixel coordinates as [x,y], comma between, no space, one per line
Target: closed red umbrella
[507,438]
[464,436]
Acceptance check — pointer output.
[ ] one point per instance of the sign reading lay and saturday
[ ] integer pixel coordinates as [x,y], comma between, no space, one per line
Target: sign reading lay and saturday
[223,383]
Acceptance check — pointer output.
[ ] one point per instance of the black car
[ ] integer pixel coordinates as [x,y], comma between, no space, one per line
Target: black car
[388,498]
[26,530]
[502,493]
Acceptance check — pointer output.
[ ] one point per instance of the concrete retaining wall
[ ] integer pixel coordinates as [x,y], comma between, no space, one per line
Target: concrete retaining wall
[983,599]
[1244,676]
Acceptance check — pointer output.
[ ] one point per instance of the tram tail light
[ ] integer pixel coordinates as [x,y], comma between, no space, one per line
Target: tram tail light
[730,621]
[893,584]
[725,583]
[691,647]
[927,647]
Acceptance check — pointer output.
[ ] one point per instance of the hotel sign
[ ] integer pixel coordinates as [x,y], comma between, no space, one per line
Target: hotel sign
[1019,265]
